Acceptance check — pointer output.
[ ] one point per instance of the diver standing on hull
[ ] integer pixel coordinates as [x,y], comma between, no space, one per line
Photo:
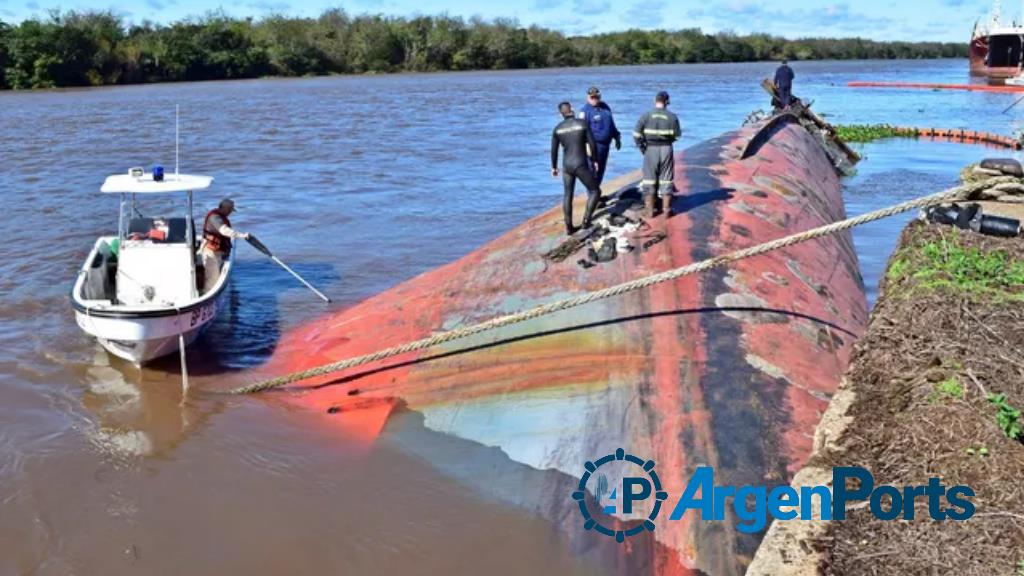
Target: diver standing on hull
[578,162]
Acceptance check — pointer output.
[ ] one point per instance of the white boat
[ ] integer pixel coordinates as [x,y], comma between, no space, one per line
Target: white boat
[139,291]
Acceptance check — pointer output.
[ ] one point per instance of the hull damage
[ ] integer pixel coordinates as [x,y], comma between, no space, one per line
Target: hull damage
[731,369]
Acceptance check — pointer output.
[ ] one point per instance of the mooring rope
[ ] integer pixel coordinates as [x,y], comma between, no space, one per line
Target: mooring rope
[949,195]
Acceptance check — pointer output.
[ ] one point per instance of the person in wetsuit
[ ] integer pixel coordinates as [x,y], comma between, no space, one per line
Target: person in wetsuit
[578,162]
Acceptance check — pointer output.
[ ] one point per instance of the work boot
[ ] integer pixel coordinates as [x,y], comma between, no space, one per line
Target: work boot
[649,205]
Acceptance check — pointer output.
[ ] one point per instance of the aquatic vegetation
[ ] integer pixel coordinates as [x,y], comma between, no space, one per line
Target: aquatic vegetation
[862,133]
[96,48]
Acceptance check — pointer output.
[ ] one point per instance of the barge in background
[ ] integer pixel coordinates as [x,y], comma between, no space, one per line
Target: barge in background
[730,369]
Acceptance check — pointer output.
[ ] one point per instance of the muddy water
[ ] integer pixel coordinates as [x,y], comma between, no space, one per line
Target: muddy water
[359,183]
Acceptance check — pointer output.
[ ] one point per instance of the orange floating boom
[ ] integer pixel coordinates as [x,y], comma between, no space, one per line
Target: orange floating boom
[928,86]
[961,135]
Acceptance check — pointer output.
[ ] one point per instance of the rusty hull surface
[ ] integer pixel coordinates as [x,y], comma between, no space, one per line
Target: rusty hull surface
[731,369]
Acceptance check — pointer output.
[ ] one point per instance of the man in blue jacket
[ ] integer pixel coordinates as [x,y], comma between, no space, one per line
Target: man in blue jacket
[598,116]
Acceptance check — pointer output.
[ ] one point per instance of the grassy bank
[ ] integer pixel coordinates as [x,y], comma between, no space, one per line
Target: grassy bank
[939,381]
[100,48]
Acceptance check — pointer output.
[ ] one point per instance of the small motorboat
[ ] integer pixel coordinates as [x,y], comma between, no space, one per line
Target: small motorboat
[139,293]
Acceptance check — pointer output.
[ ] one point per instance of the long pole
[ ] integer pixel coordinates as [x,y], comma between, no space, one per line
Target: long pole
[300,278]
[1019,100]
[255,243]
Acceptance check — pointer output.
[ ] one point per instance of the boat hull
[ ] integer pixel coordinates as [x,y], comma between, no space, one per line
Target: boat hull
[1008,65]
[730,369]
[141,339]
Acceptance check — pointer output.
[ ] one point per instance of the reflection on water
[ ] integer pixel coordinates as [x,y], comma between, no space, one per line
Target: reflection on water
[138,412]
[103,469]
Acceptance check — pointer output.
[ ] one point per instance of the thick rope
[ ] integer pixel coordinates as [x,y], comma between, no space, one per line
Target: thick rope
[952,194]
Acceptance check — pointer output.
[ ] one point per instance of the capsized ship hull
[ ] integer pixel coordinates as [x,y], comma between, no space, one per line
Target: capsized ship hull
[730,369]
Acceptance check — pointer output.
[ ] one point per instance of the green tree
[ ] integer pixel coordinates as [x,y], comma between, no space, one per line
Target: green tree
[292,46]
[5,33]
[374,45]
[332,36]
[92,48]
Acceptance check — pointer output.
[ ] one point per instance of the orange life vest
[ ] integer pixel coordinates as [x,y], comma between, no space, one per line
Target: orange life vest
[214,239]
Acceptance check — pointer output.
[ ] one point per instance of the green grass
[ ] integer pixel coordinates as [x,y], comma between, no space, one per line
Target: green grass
[949,387]
[897,270]
[1008,417]
[862,133]
[948,264]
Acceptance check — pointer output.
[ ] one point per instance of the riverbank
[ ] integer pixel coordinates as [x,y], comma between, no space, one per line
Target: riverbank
[934,390]
[97,48]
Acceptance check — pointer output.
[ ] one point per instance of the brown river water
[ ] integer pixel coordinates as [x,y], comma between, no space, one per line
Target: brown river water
[359,183]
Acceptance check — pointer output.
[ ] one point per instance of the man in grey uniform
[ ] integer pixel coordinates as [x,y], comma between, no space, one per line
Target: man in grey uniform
[654,134]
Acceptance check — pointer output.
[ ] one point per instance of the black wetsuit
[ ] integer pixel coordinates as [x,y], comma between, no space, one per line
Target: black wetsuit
[574,136]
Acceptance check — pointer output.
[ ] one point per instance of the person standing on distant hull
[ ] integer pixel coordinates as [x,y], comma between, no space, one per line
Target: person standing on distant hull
[598,115]
[784,84]
[654,134]
[575,137]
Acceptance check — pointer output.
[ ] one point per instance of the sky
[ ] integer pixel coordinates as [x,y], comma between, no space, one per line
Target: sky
[944,20]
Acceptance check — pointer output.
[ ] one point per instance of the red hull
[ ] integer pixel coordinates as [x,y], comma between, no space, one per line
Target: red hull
[979,51]
[731,369]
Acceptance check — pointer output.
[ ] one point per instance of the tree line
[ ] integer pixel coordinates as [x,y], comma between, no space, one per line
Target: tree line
[100,48]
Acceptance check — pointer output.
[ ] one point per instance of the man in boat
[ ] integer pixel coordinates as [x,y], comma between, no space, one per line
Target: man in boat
[654,134]
[578,162]
[217,237]
[784,84]
[598,115]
